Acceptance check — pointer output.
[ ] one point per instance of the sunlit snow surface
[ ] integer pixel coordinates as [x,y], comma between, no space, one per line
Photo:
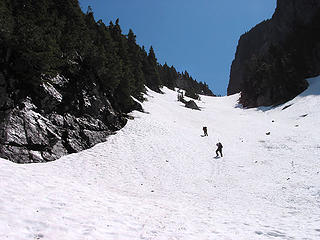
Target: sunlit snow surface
[157,178]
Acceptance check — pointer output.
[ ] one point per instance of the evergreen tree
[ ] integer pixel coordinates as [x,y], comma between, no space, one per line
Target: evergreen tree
[150,68]
[135,59]
[39,40]
[125,88]
[6,32]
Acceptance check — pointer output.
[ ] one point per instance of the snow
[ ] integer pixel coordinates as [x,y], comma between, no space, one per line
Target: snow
[158,179]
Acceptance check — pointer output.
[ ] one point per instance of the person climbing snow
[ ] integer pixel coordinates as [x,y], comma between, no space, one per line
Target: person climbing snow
[205,131]
[219,149]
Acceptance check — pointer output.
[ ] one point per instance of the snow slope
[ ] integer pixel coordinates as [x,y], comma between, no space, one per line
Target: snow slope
[158,179]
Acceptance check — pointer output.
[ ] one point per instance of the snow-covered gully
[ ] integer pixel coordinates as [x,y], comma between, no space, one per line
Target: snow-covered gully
[158,179]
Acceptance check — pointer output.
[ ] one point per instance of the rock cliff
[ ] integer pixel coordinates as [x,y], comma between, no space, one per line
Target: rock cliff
[278,54]
[67,81]
[52,124]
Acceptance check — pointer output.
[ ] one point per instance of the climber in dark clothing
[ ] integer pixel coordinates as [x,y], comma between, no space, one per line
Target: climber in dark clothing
[219,149]
[205,131]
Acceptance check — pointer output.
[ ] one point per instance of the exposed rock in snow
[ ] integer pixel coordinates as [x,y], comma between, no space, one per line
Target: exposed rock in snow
[191,104]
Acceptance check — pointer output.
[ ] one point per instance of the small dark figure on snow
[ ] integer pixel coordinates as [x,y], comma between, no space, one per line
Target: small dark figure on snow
[219,149]
[205,131]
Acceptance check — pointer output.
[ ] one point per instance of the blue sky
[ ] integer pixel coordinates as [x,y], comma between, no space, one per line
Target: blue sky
[199,36]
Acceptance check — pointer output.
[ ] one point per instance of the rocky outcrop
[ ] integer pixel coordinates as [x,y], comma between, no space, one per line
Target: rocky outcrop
[26,136]
[286,45]
[191,104]
[39,130]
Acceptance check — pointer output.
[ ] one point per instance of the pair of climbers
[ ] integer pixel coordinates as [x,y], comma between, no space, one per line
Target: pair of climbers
[219,145]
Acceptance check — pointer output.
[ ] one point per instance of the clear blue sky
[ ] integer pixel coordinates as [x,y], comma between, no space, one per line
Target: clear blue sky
[199,36]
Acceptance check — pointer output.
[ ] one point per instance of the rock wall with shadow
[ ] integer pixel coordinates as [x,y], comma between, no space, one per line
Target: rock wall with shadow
[52,124]
[275,57]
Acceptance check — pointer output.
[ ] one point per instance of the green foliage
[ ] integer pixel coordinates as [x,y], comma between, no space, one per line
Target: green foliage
[150,69]
[6,21]
[279,75]
[50,37]
[135,64]
[271,79]
[168,76]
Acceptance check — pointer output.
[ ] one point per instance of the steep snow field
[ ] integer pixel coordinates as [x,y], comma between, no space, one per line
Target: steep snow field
[158,179]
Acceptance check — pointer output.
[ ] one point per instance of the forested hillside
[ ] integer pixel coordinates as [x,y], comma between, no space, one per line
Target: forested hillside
[42,39]
[67,81]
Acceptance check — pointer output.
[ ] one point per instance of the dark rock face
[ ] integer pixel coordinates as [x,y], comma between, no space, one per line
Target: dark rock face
[249,44]
[43,132]
[5,101]
[191,104]
[274,58]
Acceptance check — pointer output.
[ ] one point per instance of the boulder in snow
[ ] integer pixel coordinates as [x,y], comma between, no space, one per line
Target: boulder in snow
[191,104]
